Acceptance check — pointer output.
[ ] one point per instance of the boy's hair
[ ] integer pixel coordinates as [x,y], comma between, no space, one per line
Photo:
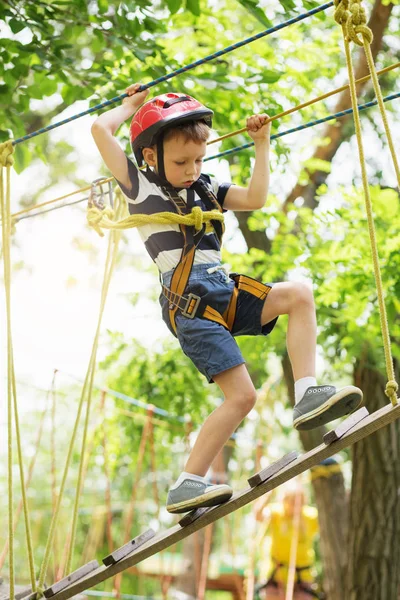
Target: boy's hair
[192,131]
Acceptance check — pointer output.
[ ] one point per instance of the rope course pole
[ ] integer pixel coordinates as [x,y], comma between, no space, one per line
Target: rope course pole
[185,69]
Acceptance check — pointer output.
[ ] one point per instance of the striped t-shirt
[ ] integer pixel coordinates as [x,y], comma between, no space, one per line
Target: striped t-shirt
[164,243]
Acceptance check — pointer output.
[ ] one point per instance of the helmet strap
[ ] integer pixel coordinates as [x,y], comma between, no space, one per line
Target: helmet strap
[160,157]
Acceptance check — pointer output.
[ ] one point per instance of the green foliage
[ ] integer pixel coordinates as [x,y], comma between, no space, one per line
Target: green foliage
[67,51]
[151,376]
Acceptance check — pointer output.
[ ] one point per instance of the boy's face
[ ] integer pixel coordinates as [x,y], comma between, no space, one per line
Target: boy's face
[182,160]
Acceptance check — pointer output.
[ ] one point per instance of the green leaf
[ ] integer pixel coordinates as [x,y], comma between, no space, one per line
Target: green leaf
[103,6]
[193,6]
[22,157]
[288,5]
[269,76]
[16,25]
[252,7]
[174,6]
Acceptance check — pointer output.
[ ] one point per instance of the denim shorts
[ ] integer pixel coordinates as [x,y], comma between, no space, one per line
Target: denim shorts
[210,346]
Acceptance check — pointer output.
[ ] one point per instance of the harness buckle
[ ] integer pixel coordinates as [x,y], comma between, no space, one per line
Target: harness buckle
[185,311]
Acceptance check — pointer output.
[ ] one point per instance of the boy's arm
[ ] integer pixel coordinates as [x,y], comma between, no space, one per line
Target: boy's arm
[255,194]
[105,126]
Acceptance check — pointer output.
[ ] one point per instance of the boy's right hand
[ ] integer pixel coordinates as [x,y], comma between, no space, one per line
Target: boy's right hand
[134,97]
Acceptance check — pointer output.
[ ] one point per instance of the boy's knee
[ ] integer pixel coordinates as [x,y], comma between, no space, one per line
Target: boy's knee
[245,400]
[302,294]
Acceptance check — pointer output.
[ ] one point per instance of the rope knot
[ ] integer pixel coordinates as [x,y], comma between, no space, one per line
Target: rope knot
[95,216]
[6,152]
[391,390]
[357,25]
[341,14]
[197,217]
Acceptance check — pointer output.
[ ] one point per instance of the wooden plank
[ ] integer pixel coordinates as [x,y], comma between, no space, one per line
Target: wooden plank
[71,578]
[192,516]
[126,549]
[164,539]
[345,426]
[272,469]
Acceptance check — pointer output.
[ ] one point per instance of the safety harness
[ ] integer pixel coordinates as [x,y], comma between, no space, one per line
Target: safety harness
[192,305]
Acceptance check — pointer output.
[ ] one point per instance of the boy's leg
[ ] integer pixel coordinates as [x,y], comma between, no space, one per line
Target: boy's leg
[191,490]
[295,300]
[239,399]
[315,405]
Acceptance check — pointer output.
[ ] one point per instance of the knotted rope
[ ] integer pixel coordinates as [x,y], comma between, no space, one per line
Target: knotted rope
[353,24]
[6,162]
[104,219]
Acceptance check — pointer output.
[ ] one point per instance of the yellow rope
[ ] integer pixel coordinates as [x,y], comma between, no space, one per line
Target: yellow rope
[359,33]
[305,104]
[86,392]
[6,161]
[110,264]
[342,17]
[99,219]
[274,118]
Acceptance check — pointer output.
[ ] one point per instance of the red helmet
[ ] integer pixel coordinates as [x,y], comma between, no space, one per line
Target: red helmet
[160,113]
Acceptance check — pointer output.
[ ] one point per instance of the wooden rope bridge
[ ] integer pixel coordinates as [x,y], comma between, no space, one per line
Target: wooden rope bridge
[356,427]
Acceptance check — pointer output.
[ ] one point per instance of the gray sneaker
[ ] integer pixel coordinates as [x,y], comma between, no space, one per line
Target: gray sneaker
[191,494]
[322,404]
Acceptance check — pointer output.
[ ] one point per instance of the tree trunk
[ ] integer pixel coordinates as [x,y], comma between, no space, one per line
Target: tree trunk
[330,498]
[374,550]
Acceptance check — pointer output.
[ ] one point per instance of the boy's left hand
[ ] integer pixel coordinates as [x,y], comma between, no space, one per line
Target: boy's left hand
[258,128]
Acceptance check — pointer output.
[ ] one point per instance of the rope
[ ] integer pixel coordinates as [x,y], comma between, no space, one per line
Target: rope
[107,475]
[309,102]
[139,464]
[350,29]
[337,115]
[111,260]
[53,470]
[87,389]
[27,483]
[99,219]
[185,69]
[19,216]
[356,26]
[6,161]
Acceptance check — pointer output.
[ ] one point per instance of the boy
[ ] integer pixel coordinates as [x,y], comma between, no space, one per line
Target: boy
[201,304]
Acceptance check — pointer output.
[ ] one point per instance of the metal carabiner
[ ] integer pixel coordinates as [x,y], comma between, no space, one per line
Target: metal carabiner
[94,200]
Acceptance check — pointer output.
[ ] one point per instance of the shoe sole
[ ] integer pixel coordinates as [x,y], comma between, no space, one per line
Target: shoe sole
[340,404]
[205,500]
